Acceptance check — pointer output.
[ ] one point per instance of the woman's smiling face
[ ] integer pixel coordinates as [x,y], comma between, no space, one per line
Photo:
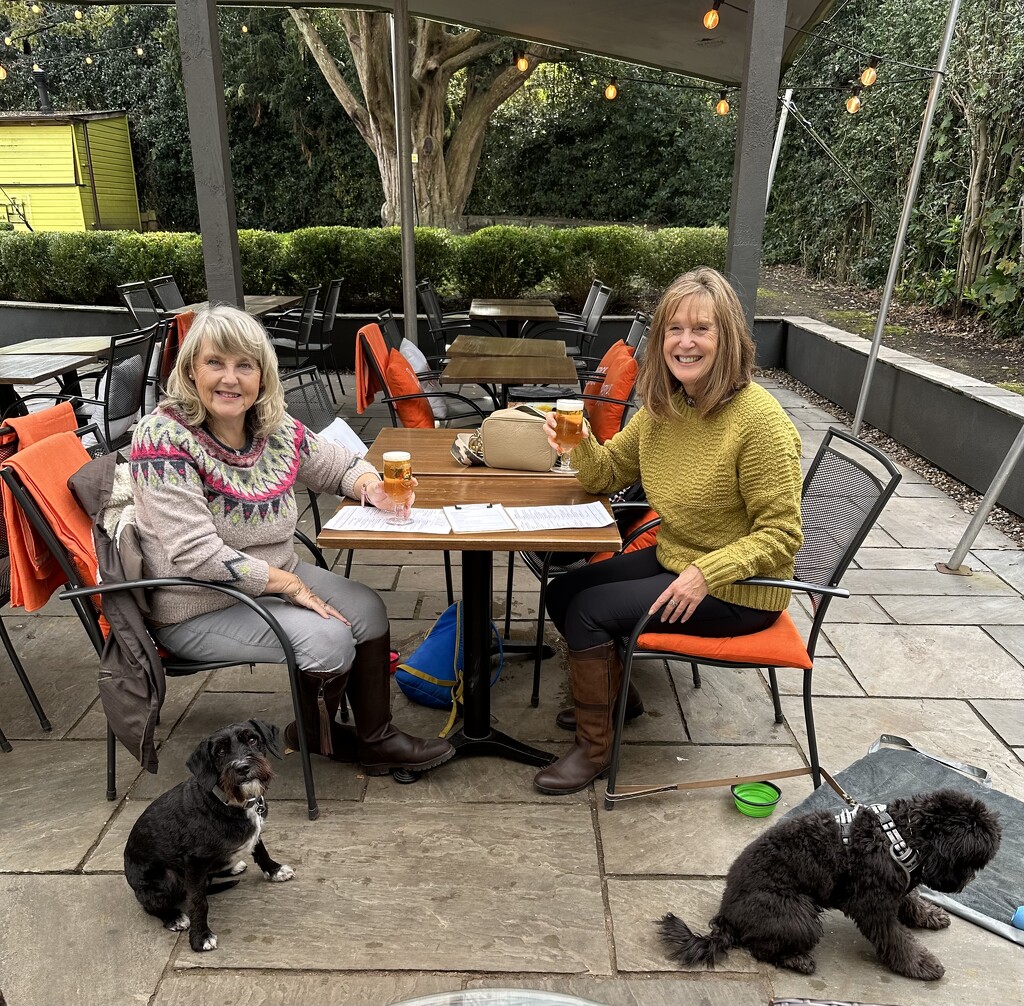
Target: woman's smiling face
[227,385]
[691,342]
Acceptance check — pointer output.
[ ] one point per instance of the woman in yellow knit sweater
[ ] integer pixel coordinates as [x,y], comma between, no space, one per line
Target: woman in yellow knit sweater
[720,463]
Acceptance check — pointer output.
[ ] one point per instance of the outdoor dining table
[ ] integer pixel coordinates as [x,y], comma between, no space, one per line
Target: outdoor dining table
[256,304]
[476,736]
[36,369]
[494,345]
[509,371]
[511,313]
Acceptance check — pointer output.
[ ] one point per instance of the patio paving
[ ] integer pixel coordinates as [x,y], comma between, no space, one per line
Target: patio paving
[471,879]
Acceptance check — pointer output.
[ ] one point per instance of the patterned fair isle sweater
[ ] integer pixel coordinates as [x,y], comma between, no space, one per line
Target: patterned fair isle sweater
[206,511]
[727,489]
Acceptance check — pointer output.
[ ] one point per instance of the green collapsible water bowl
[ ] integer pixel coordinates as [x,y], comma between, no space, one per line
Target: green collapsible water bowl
[756,799]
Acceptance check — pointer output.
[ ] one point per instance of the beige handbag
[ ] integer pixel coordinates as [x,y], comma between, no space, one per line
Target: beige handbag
[515,438]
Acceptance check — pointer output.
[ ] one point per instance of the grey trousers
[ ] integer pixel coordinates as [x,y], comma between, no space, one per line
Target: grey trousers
[322,645]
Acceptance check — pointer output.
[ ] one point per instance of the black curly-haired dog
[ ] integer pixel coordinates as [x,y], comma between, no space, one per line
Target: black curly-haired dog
[200,830]
[780,884]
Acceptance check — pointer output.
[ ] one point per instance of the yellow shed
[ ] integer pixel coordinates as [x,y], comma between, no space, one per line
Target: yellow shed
[67,171]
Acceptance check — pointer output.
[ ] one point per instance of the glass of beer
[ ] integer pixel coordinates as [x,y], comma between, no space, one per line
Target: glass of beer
[398,484]
[568,432]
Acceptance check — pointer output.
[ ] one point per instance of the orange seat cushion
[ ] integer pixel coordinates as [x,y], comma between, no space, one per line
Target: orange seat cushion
[415,413]
[615,351]
[606,417]
[780,645]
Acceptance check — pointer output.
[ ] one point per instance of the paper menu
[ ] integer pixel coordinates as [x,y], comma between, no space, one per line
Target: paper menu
[341,433]
[467,518]
[358,518]
[552,518]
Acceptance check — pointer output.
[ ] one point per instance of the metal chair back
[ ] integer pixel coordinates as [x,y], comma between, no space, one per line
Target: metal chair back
[637,330]
[389,326]
[139,301]
[330,311]
[166,293]
[122,388]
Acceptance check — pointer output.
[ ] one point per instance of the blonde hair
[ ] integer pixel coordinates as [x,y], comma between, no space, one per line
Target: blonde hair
[733,366]
[228,331]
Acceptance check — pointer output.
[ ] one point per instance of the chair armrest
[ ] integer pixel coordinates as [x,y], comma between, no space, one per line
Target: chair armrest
[438,394]
[807,588]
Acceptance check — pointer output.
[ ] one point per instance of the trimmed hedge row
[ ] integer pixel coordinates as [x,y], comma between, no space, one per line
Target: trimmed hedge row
[85,267]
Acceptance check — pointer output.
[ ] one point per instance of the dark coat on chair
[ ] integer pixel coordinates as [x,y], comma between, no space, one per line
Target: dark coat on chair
[131,682]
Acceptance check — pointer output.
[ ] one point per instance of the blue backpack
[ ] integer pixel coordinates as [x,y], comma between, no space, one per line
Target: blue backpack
[432,674]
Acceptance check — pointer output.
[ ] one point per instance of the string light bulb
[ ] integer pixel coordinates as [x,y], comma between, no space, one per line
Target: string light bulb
[3,72]
[36,68]
[88,60]
[711,18]
[245,29]
[853,103]
[522,63]
[79,15]
[722,105]
[870,73]
[8,40]
[139,51]
[36,9]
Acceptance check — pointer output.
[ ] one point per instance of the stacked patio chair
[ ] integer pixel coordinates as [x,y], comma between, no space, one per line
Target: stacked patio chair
[165,293]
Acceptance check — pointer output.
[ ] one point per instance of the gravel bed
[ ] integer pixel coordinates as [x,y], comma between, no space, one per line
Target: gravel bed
[964,496]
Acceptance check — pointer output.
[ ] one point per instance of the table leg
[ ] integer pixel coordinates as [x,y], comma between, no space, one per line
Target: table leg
[8,398]
[476,736]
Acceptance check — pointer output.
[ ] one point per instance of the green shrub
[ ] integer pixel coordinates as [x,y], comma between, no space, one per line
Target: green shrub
[612,254]
[6,225]
[676,250]
[503,261]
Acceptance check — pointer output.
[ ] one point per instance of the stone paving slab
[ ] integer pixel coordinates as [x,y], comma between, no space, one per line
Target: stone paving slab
[924,583]
[684,989]
[917,558]
[933,523]
[732,706]
[830,677]
[858,608]
[376,890]
[1005,717]
[1008,563]
[64,941]
[952,661]
[846,728]
[916,610]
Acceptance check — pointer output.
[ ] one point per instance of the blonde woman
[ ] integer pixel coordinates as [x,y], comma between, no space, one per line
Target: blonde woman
[213,471]
[720,463]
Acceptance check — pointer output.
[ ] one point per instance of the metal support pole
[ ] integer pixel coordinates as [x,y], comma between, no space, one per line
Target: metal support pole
[783,115]
[955,564]
[403,127]
[908,206]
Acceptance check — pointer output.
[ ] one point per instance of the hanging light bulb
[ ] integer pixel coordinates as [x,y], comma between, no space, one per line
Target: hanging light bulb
[3,72]
[522,63]
[88,60]
[36,9]
[711,18]
[8,40]
[139,50]
[722,105]
[36,68]
[79,15]
[870,73]
[245,29]
[611,92]
[853,103]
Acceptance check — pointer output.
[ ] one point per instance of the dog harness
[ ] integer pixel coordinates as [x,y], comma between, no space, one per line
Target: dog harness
[256,803]
[903,855]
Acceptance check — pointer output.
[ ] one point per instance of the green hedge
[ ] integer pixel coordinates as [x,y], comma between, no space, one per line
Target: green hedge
[71,267]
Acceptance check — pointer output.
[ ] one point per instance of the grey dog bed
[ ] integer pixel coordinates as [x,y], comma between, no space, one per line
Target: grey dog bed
[895,768]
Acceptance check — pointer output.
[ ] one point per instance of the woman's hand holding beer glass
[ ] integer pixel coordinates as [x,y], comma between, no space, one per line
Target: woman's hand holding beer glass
[565,429]
[397,492]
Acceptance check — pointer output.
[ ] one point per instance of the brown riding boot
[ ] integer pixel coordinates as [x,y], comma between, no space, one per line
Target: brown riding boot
[320,696]
[566,718]
[594,676]
[382,746]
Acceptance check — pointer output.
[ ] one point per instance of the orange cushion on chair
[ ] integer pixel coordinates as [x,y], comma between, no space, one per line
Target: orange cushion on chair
[402,380]
[617,350]
[780,645]
[606,417]
[648,538]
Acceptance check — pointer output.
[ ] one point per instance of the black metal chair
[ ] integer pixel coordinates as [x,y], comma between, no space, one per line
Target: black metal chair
[165,292]
[445,326]
[290,331]
[845,489]
[567,319]
[323,348]
[120,387]
[80,594]
[8,446]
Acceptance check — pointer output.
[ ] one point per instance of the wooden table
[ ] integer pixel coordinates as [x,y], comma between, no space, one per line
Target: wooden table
[431,454]
[510,314]
[256,304]
[88,345]
[490,345]
[476,736]
[510,370]
[35,369]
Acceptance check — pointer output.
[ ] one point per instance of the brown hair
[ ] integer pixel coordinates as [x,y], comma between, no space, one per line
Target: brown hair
[733,366]
[228,330]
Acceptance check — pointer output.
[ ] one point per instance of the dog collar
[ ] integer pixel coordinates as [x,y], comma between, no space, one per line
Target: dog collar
[256,803]
[900,850]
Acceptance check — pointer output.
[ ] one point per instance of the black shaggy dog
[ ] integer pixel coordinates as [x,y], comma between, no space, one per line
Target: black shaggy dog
[202,828]
[780,884]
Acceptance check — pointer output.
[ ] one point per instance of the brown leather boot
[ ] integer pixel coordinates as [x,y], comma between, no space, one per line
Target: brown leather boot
[566,718]
[383,747]
[319,697]
[595,676]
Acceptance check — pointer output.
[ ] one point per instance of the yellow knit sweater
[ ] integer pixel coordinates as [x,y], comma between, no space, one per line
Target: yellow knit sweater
[727,489]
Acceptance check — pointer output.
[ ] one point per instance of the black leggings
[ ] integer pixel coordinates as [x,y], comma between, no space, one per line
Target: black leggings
[605,600]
